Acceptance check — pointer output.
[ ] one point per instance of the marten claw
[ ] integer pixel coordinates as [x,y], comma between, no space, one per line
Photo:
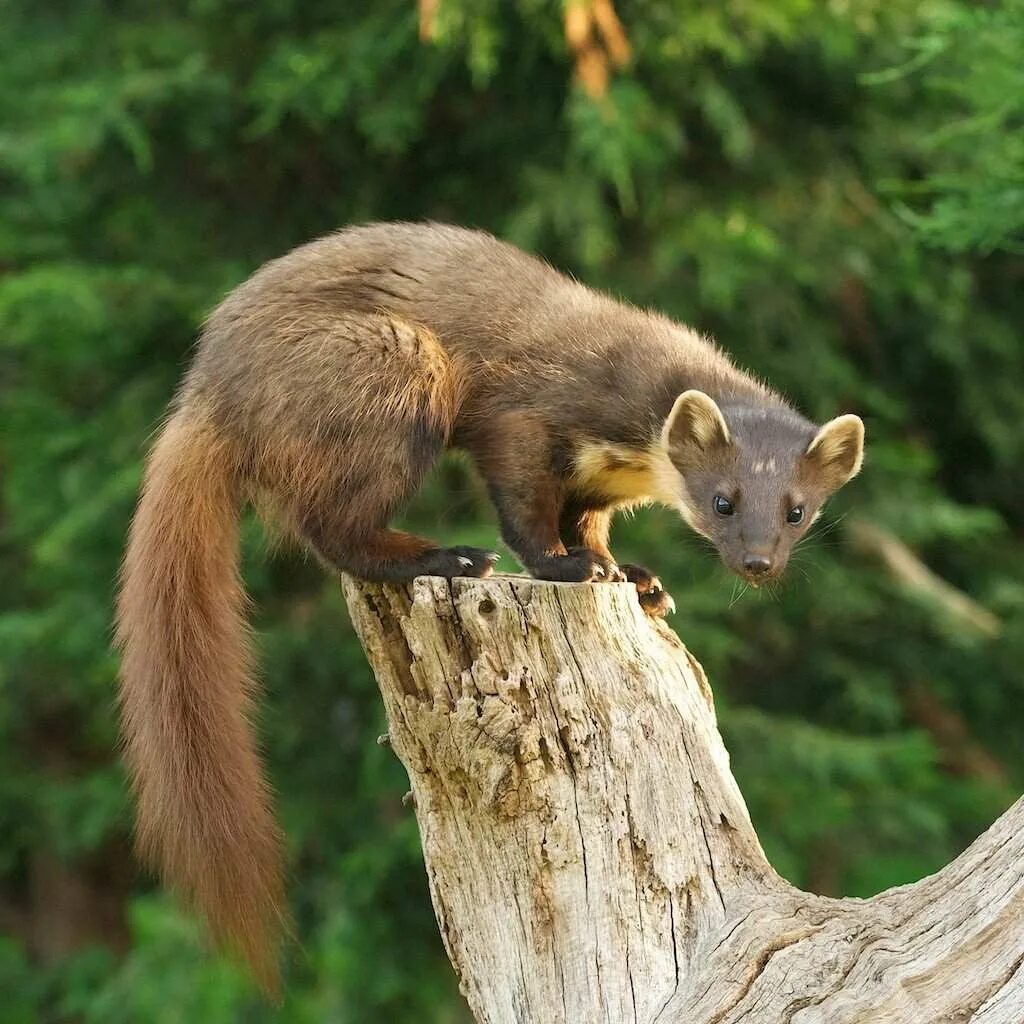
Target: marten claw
[463,560]
[492,557]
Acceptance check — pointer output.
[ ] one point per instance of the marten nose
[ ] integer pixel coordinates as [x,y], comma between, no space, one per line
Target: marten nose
[757,565]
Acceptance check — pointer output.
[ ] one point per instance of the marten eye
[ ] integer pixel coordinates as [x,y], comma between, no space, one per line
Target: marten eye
[795,515]
[723,506]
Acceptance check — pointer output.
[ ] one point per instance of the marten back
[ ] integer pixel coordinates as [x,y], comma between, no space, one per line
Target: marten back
[528,336]
[474,292]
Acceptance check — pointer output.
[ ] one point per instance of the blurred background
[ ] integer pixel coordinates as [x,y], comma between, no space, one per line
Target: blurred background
[835,190]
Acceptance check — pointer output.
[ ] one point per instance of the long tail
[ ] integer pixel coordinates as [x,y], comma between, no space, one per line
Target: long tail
[204,818]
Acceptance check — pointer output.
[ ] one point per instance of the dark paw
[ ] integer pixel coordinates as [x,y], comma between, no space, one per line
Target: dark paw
[460,561]
[653,598]
[579,565]
[657,603]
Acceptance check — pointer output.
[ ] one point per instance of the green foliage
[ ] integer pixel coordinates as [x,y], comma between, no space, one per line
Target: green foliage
[970,193]
[834,191]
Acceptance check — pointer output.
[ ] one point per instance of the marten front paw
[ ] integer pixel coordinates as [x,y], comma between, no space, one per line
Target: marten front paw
[654,600]
[459,561]
[578,565]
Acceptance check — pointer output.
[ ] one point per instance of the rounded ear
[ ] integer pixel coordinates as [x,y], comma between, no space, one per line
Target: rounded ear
[695,423]
[837,451]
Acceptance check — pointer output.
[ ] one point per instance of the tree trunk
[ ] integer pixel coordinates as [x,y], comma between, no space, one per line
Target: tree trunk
[589,854]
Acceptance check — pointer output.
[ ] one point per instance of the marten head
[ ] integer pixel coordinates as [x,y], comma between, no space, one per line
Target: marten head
[754,477]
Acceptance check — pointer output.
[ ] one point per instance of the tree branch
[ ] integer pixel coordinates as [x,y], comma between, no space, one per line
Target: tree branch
[907,569]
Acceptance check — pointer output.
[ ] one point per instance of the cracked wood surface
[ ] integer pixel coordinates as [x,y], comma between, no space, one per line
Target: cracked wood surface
[590,857]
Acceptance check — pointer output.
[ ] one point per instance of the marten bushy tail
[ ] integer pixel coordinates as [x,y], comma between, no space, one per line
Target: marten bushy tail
[204,819]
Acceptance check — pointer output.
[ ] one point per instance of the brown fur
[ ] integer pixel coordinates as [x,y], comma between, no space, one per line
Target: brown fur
[203,810]
[323,389]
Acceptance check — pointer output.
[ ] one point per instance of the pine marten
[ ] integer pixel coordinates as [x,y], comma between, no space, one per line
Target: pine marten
[324,388]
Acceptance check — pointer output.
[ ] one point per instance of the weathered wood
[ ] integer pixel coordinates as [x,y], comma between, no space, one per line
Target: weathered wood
[589,854]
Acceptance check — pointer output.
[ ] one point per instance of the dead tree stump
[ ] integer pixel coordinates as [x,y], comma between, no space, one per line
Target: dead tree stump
[589,854]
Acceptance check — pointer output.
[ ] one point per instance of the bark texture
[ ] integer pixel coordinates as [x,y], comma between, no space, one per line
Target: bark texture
[589,854]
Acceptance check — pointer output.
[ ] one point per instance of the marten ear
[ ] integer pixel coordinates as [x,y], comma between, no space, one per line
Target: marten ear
[837,451]
[695,423]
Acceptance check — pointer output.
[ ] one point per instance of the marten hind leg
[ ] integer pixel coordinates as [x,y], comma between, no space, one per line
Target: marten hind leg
[346,525]
[391,556]
[368,406]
